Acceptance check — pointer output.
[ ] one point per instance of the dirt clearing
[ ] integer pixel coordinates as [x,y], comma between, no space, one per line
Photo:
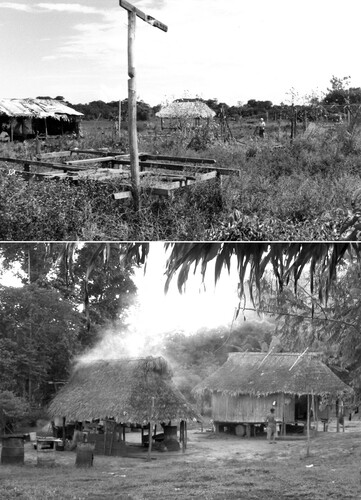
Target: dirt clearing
[213,468]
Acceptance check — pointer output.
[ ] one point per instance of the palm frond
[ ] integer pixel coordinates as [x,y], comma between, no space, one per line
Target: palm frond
[287,260]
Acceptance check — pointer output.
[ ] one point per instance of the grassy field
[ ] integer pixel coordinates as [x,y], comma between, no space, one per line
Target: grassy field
[299,190]
[213,468]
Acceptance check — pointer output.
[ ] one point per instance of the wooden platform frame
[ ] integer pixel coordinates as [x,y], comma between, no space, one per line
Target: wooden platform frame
[169,172]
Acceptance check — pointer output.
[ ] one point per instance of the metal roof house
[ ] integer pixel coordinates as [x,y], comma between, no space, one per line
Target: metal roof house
[24,118]
[245,388]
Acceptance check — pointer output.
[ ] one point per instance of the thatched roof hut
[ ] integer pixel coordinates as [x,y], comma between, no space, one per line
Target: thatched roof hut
[26,117]
[248,384]
[122,389]
[259,374]
[186,108]
[183,111]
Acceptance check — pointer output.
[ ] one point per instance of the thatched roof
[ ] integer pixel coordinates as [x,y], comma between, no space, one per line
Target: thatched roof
[259,374]
[37,108]
[186,109]
[122,389]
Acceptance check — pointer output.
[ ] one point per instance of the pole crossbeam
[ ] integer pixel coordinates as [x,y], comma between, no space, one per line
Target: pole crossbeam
[133,13]
[148,19]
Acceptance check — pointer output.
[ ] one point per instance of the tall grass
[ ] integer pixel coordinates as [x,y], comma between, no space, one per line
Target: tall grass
[285,191]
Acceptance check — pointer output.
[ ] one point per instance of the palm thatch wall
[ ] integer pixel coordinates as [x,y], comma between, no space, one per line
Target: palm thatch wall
[244,388]
[122,389]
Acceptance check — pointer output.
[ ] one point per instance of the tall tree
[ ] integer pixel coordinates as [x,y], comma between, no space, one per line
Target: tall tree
[38,337]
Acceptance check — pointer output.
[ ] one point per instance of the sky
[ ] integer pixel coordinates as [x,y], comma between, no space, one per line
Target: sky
[230,50]
[154,313]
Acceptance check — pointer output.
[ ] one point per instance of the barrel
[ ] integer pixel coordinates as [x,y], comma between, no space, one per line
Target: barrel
[46,451]
[240,430]
[84,455]
[12,451]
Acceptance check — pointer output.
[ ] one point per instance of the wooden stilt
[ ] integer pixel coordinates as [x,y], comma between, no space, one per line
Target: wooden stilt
[308,425]
[182,432]
[112,439]
[12,130]
[150,430]
[337,417]
[64,437]
[105,436]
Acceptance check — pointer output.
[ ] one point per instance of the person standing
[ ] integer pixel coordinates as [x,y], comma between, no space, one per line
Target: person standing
[271,426]
[261,128]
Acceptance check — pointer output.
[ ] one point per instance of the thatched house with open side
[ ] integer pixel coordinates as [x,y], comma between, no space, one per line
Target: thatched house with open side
[123,393]
[185,112]
[26,118]
[245,388]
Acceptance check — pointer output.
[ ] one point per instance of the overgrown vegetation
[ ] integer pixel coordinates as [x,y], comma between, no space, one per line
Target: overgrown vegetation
[299,190]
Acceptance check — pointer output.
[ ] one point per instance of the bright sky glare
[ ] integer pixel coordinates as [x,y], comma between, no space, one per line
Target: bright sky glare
[156,313]
[232,50]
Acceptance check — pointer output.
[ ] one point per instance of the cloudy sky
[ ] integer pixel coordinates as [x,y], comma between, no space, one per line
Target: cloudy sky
[232,50]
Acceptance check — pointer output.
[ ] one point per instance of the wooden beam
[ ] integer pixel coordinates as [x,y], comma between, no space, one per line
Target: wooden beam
[207,176]
[90,160]
[55,154]
[123,195]
[96,152]
[180,166]
[145,17]
[145,157]
[163,191]
[56,166]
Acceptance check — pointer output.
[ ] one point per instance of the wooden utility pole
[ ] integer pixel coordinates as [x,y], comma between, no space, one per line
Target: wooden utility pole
[119,118]
[133,13]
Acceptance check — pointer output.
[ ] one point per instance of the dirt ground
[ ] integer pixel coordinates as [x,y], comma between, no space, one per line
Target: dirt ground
[214,467]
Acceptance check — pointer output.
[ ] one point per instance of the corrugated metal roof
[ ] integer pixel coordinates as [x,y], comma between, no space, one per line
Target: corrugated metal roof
[39,108]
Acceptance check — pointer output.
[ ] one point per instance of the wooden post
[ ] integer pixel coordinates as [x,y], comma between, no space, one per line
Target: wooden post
[132,111]
[64,439]
[37,144]
[308,425]
[184,447]
[12,130]
[133,12]
[105,437]
[305,120]
[150,430]
[337,417]
[183,434]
